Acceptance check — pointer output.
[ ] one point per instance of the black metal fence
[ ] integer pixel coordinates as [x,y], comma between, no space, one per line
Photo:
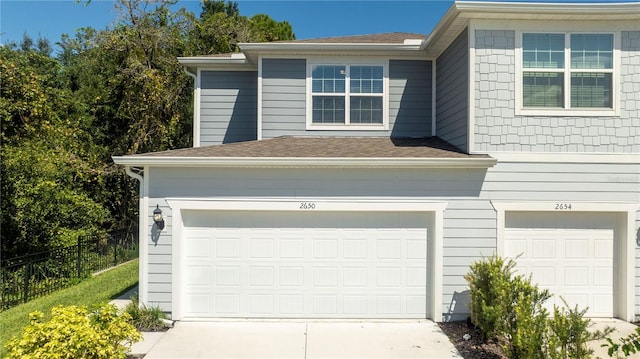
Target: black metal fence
[35,275]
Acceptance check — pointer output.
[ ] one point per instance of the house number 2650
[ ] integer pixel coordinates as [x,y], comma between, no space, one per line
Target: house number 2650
[307,205]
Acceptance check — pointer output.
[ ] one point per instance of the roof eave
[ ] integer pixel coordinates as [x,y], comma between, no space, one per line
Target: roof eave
[461,12]
[288,46]
[306,162]
[194,62]
[549,8]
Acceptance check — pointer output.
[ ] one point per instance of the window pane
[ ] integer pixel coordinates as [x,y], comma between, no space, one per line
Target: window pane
[543,51]
[328,109]
[591,51]
[328,79]
[366,79]
[366,109]
[591,90]
[543,89]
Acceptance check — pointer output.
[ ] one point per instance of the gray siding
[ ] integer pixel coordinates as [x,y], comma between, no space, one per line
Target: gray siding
[284,100]
[497,128]
[469,221]
[283,97]
[410,98]
[452,92]
[228,107]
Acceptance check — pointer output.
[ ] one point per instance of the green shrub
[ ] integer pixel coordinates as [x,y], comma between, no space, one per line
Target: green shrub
[489,283]
[628,345]
[510,309]
[525,321]
[568,333]
[145,319]
[74,332]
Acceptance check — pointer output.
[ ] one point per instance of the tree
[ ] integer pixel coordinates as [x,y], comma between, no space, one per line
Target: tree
[108,92]
[221,28]
[50,175]
[266,29]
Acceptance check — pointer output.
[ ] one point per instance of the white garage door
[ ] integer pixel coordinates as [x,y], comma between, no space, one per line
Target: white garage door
[571,254]
[304,265]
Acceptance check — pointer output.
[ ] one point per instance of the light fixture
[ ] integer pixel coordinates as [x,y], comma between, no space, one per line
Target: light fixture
[157,217]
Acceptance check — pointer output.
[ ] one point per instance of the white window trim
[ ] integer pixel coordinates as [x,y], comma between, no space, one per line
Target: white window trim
[520,110]
[348,126]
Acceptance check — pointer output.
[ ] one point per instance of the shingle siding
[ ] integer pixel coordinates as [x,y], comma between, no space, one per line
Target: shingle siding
[497,128]
[228,107]
[452,87]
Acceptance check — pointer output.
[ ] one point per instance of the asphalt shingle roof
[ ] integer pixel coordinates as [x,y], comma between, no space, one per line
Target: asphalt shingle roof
[325,147]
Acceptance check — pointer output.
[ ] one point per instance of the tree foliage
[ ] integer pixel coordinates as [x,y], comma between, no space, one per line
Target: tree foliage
[114,91]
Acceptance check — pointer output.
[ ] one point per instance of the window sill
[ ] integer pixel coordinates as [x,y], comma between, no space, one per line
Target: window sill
[587,112]
[337,127]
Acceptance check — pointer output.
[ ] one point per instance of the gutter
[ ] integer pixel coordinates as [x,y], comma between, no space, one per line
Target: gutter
[305,162]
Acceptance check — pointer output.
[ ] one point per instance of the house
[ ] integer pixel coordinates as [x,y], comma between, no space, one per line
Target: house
[359,177]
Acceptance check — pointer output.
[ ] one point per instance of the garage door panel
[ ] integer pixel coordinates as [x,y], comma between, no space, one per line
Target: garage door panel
[571,255]
[352,271]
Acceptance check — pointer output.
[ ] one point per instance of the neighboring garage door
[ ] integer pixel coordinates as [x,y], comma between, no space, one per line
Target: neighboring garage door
[571,254]
[258,264]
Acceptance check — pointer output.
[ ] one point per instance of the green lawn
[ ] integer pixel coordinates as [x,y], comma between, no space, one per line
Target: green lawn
[96,290]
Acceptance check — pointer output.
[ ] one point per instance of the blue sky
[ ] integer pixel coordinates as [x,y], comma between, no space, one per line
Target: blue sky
[310,19]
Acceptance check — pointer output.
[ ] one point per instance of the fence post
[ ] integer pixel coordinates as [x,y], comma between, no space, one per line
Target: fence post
[115,250]
[79,262]
[27,276]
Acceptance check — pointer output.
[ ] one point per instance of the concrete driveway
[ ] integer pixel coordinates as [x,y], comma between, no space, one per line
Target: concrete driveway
[318,339]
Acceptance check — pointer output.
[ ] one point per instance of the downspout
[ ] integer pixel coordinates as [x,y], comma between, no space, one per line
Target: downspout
[196,115]
[137,173]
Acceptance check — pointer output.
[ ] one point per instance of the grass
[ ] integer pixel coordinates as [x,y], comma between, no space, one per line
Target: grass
[96,290]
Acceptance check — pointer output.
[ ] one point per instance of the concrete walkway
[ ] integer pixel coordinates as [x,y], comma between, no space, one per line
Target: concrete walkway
[317,339]
[622,329]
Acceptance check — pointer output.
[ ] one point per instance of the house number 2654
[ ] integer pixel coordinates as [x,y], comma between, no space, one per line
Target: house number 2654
[307,205]
[563,206]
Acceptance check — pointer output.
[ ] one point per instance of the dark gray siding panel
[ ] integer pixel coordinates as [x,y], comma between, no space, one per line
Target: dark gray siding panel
[452,83]
[228,107]
[284,100]
[410,98]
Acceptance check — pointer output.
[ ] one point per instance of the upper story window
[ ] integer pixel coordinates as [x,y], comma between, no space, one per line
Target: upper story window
[567,72]
[347,96]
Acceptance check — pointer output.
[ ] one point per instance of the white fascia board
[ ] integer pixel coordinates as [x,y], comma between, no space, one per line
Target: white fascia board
[524,8]
[236,61]
[262,162]
[302,47]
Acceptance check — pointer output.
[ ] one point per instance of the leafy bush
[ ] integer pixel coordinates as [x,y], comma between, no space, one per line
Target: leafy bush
[511,310]
[525,321]
[568,333]
[628,345]
[74,332]
[489,283]
[145,319]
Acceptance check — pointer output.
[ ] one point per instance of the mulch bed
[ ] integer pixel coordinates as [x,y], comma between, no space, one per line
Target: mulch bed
[473,347]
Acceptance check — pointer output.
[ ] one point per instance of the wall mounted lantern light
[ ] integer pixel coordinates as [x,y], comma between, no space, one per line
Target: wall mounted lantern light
[157,217]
